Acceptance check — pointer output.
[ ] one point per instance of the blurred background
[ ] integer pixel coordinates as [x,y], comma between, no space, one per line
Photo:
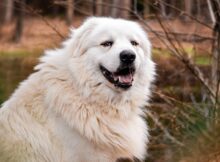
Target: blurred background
[183,114]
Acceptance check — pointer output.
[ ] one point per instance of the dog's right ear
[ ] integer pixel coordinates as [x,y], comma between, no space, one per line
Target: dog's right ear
[77,43]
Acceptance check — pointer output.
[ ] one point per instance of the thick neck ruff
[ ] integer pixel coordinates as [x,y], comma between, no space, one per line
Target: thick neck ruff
[90,116]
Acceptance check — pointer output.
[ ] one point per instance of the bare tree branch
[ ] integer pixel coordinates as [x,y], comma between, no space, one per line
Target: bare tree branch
[211,12]
[185,36]
[160,125]
[215,5]
[35,12]
[184,13]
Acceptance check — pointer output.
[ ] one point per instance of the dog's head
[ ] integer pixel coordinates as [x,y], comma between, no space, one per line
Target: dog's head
[114,53]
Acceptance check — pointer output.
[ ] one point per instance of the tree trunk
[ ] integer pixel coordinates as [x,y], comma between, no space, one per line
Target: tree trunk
[2,10]
[69,11]
[106,10]
[163,9]
[99,7]
[127,4]
[198,6]
[146,8]
[188,9]
[172,12]
[135,4]
[9,10]
[216,48]
[115,11]
[211,12]
[93,7]
[19,21]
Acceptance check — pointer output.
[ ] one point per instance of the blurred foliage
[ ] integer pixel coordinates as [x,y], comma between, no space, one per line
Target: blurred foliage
[14,67]
[196,125]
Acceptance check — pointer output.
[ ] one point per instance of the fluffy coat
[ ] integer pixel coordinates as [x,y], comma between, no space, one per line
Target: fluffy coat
[67,112]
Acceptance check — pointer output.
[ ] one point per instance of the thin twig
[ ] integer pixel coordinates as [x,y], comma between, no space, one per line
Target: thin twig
[183,36]
[163,96]
[160,125]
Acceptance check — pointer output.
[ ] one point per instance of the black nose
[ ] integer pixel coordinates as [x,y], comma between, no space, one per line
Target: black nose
[127,57]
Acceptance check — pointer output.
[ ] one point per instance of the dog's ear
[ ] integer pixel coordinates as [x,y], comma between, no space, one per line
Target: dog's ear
[77,42]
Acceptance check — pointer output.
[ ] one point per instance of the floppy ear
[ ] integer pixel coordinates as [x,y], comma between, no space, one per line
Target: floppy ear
[77,43]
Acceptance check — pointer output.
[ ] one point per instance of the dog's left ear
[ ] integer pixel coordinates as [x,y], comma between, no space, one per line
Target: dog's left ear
[77,41]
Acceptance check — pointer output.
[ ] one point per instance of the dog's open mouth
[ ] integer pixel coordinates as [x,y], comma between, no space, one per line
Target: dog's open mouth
[122,78]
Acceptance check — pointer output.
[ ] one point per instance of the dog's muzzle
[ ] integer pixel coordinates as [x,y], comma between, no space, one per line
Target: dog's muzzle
[124,75]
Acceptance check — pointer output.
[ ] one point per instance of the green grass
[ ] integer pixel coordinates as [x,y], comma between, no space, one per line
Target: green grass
[15,66]
[200,59]
[157,53]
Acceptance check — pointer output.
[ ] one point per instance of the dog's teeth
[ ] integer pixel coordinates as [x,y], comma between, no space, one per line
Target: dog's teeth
[115,78]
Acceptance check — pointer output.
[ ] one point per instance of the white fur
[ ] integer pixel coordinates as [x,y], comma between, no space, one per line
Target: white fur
[68,112]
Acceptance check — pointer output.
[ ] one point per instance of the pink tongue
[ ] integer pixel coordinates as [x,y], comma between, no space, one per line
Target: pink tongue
[125,78]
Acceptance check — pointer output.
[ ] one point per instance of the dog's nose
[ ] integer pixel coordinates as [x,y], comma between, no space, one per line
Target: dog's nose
[127,57]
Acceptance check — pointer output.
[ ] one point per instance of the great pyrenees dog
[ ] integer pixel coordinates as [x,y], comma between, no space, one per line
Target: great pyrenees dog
[85,101]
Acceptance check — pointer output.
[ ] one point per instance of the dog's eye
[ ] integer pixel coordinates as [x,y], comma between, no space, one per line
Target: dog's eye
[107,43]
[134,43]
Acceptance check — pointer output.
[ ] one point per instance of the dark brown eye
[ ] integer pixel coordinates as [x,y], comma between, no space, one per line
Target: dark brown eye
[134,43]
[107,43]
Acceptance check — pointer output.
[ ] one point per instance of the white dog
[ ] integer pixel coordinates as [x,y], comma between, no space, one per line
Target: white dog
[84,102]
